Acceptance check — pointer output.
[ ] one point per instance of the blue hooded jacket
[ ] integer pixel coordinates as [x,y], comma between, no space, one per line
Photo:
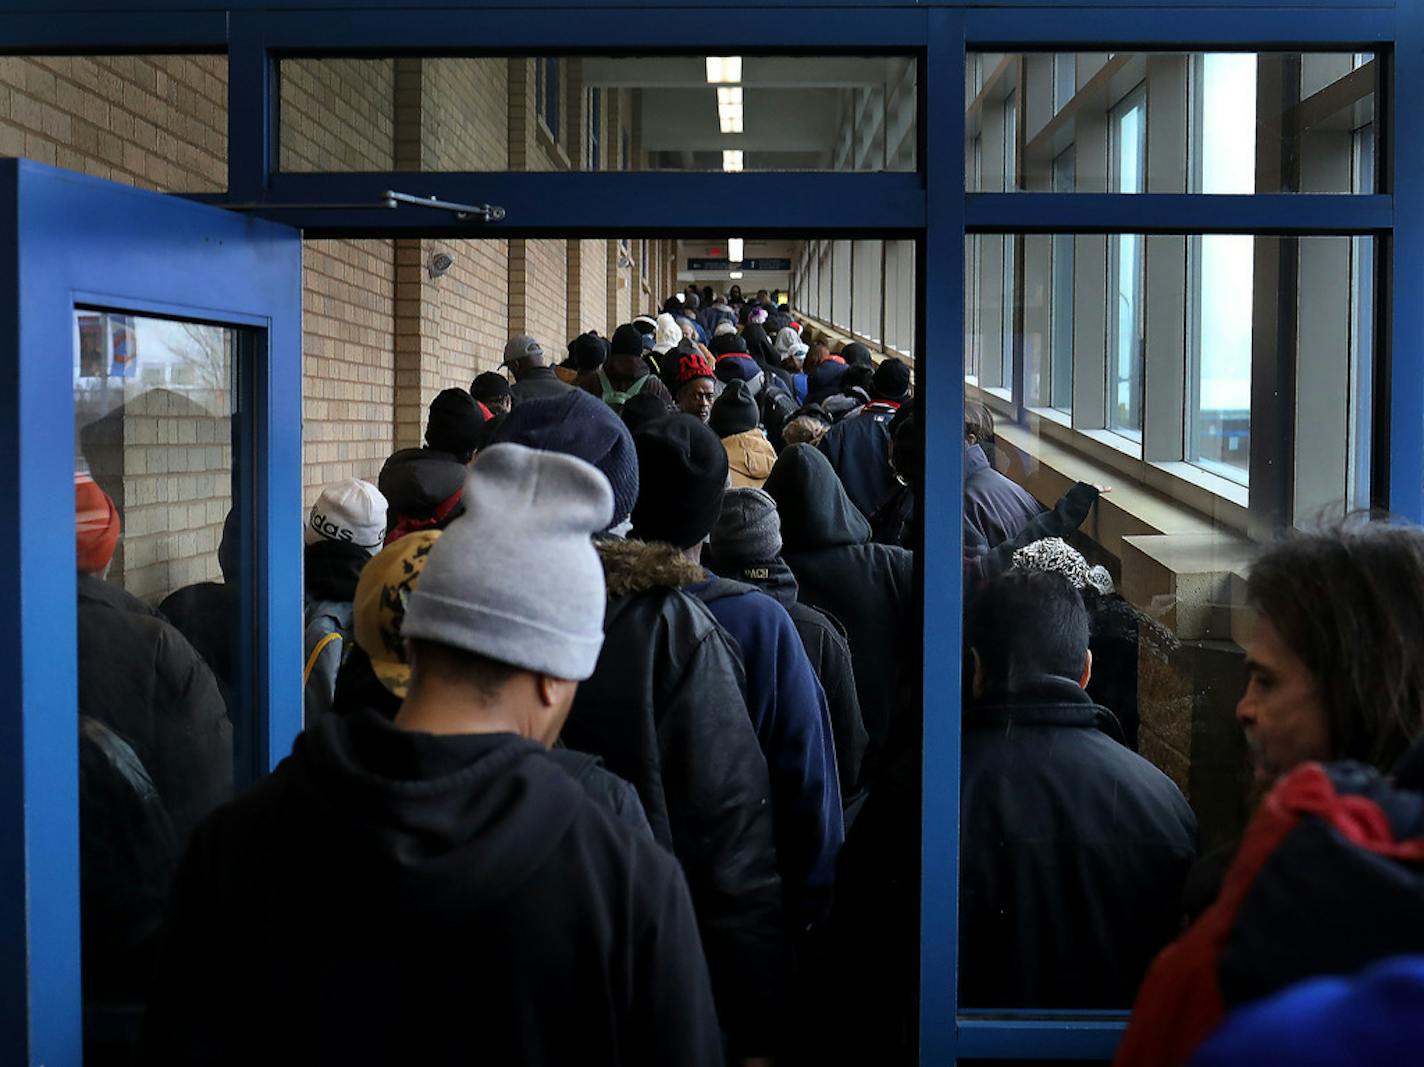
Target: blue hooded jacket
[793,724]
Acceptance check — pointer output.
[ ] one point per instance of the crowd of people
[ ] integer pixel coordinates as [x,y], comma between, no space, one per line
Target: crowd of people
[613,746]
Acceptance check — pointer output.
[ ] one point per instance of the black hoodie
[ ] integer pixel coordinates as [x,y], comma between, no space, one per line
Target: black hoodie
[397,897]
[867,586]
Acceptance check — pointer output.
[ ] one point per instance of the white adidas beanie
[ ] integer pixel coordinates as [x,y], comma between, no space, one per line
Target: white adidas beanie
[351,511]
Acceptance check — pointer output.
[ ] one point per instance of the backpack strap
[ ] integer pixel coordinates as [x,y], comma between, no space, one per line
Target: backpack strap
[316,652]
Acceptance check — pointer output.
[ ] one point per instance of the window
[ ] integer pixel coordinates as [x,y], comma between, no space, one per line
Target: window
[546,93]
[1065,79]
[1060,313]
[1222,270]
[1362,312]
[1127,271]
[625,148]
[595,128]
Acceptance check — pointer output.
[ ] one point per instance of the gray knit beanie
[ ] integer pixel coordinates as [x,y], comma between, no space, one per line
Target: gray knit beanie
[516,578]
[748,530]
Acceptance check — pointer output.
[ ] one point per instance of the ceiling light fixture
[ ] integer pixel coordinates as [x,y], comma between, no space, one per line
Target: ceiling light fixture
[724,69]
[735,246]
[735,275]
[731,160]
[730,111]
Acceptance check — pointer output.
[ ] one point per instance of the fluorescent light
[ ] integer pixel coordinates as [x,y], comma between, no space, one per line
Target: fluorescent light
[729,117]
[723,69]
[735,276]
[729,108]
[731,159]
[735,246]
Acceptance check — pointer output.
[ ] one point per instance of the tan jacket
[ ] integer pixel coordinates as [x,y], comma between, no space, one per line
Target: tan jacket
[751,458]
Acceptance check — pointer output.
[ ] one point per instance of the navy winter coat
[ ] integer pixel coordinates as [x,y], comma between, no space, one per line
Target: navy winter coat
[995,508]
[859,449]
[788,708]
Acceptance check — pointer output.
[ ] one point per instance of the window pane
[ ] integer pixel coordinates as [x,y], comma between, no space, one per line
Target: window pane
[164,681]
[1211,122]
[677,113]
[1248,396]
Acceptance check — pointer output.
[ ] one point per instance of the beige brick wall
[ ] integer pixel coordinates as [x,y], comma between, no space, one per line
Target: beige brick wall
[337,115]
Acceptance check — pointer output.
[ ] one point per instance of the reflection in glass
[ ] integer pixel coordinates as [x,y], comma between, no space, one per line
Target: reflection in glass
[665,113]
[1250,368]
[157,632]
[1276,121]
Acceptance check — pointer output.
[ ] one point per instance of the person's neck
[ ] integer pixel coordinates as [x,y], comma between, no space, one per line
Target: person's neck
[442,709]
[693,554]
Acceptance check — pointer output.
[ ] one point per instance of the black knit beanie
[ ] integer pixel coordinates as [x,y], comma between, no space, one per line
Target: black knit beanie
[588,351]
[682,474]
[734,411]
[857,355]
[455,423]
[491,385]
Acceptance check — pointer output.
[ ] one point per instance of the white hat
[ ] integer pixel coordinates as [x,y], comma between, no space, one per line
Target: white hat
[350,510]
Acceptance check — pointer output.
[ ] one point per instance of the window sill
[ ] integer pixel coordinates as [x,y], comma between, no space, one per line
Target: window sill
[1126,445]
[1215,484]
[1061,418]
[1180,564]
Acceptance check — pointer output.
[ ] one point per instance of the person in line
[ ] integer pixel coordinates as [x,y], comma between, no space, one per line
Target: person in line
[665,710]
[696,385]
[533,378]
[155,755]
[626,374]
[1329,674]
[455,425]
[735,419]
[587,352]
[868,587]
[447,848]
[424,487]
[859,445]
[1073,848]
[682,477]
[347,525]
[745,546]
[643,409]
[1331,671]
[806,426]
[996,509]
[492,390]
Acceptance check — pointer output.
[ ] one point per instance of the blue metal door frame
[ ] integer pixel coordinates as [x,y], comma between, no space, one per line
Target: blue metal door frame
[74,240]
[933,206]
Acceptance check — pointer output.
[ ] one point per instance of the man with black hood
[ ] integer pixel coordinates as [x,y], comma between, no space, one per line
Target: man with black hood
[665,710]
[524,357]
[859,445]
[996,508]
[682,477]
[470,897]
[626,374]
[840,571]
[745,546]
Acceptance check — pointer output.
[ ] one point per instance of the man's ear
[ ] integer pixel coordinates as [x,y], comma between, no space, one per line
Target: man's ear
[977,685]
[1087,671]
[547,687]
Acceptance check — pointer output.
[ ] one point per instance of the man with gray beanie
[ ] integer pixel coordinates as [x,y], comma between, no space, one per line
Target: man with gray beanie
[469,900]
[682,477]
[533,377]
[745,546]
[665,710]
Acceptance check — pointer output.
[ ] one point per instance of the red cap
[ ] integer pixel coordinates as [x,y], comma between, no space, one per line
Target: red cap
[96,526]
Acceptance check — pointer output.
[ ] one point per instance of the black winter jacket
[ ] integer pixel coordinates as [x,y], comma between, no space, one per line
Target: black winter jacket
[996,509]
[390,897]
[1073,852]
[868,587]
[141,678]
[537,384]
[824,638]
[665,710]
[859,449]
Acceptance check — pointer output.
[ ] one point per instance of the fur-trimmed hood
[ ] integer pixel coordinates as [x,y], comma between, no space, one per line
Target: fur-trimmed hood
[631,566]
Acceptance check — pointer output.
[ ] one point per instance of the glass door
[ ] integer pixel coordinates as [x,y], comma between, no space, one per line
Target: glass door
[154,361]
